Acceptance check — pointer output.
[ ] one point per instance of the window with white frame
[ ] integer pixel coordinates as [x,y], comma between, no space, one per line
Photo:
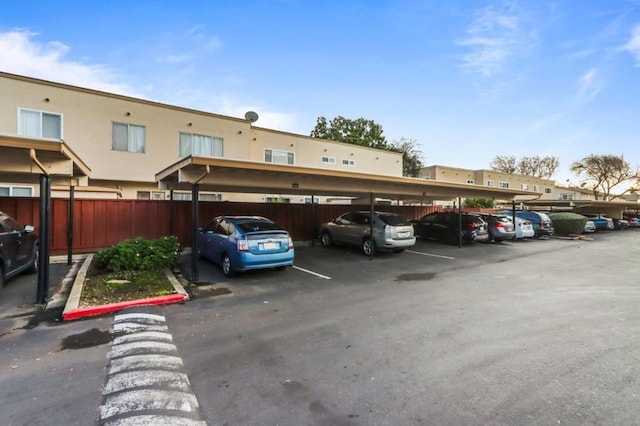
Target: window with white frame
[547,190]
[128,138]
[150,195]
[285,200]
[203,196]
[470,181]
[567,196]
[350,163]
[201,145]
[329,160]
[16,191]
[536,188]
[278,156]
[524,186]
[489,182]
[39,124]
[504,185]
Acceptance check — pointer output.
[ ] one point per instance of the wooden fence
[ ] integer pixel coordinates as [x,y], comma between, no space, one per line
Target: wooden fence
[102,223]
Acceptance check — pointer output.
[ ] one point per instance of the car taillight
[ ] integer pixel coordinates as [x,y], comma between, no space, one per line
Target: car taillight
[290,243]
[499,225]
[243,245]
[471,225]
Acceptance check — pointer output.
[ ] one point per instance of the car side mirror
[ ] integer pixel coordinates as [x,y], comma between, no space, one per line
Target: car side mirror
[29,228]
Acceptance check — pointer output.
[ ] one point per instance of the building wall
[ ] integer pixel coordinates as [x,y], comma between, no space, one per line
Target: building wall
[548,189]
[87,124]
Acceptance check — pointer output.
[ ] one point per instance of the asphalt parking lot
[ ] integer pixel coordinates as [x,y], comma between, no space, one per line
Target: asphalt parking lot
[348,266]
[529,332]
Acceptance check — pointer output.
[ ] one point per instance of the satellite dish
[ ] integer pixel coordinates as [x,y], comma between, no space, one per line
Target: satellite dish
[251,116]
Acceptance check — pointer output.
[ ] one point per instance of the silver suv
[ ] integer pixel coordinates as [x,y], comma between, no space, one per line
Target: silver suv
[390,231]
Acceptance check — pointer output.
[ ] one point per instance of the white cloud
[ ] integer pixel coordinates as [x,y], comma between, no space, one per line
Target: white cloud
[22,55]
[547,122]
[589,85]
[268,119]
[493,38]
[633,45]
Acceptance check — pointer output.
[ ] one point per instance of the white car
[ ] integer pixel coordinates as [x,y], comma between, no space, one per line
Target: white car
[524,228]
[589,227]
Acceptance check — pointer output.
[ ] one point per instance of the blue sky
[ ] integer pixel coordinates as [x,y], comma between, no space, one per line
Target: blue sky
[467,80]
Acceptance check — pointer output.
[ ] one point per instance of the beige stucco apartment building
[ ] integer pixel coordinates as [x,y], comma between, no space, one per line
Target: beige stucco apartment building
[548,189]
[125,141]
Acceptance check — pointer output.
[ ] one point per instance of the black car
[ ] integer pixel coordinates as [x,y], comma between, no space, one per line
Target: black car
[444,226]
[18,248]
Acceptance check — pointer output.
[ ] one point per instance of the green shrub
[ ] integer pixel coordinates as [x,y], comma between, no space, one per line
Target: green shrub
[140,254]
[566,223]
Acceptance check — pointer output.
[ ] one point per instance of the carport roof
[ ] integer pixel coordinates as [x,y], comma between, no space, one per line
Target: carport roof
[584,203]
[33,156]
[223,175]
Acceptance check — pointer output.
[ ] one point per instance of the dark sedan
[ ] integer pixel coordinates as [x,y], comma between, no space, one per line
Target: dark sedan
[444,226]
[18,248]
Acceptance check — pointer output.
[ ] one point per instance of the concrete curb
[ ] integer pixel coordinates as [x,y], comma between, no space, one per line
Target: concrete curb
[72,311]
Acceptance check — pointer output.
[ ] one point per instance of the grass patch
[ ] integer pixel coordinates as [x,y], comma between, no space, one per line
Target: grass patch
[102,287]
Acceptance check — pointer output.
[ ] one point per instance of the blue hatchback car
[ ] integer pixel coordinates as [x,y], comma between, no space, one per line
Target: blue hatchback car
[242,243]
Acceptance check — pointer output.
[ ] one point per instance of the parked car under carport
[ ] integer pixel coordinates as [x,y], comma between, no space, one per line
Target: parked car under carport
[18,248]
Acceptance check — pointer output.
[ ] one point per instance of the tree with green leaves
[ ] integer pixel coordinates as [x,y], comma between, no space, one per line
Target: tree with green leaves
[485,203]
[603,173]
[361,132]
[411,156]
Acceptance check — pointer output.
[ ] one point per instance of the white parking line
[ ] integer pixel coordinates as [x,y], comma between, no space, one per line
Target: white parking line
[432,255]
[311,272]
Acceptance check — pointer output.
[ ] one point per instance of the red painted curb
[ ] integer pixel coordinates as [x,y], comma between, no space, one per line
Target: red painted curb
[104,309]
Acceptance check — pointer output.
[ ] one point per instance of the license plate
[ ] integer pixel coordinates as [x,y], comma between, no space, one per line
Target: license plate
[403,234]
[269,246]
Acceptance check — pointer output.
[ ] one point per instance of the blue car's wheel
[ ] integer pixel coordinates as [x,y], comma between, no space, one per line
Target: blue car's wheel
[227,270]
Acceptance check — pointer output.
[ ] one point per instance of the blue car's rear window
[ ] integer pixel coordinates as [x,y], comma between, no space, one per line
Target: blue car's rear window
[255,226]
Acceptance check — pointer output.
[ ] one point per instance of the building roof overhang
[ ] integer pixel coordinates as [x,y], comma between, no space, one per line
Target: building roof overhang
[34,156]
[582,204]
[224,175]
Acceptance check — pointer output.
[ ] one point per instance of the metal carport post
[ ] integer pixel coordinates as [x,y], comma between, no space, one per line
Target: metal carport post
[43,256]
[459,222]
[194,232]
[371,213]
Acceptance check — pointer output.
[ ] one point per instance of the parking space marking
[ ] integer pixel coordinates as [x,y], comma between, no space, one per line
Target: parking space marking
[311,272]
[432,255]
